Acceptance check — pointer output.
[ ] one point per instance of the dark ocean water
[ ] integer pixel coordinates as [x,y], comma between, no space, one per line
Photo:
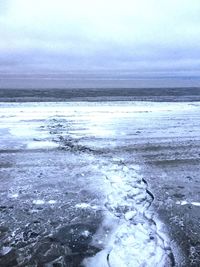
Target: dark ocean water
[174,94]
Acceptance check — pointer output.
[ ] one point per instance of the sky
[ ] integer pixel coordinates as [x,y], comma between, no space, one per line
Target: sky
[52,36]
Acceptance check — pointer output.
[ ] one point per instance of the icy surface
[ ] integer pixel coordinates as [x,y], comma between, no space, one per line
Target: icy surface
[41,145]
[82,166]
[185,202]
[136,240]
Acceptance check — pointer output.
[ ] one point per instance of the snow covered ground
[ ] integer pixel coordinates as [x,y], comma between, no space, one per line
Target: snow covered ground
[74,182]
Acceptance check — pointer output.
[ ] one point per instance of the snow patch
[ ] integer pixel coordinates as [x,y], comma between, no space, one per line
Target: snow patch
[16,195]
[85,233]
[5,250]
[185,202]
[99,260]
[130,215]
[52,201]
[196,203]
[38,202]
[42,202]
[85,206]
[42,145]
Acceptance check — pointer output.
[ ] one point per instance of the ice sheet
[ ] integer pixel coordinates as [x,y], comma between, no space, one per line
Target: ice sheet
[97,129]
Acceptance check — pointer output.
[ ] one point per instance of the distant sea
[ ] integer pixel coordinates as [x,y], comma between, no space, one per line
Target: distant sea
[92,86]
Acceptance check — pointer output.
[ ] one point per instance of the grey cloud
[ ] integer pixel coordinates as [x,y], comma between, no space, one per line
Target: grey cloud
[158,35]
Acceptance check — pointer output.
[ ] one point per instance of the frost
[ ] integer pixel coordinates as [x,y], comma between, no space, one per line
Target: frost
[85,233]
[185,202]
[38,202]
[4,251]
[196,203]
[52,201]
[16,195]
[130,215]
[135,241]
[85,206]
[41,145]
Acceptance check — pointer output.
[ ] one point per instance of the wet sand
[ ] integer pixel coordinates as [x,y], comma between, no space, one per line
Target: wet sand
[52,189]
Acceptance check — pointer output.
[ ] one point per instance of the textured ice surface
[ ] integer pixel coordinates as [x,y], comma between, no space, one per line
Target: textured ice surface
[92,147]
[136,240]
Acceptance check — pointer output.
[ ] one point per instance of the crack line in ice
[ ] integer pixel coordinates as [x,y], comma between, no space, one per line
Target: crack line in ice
[136,241]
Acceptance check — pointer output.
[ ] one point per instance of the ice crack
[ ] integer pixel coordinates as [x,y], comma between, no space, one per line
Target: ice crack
[137,241]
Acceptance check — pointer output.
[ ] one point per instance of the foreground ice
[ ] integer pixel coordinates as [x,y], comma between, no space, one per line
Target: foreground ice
[135,239]
[100,131]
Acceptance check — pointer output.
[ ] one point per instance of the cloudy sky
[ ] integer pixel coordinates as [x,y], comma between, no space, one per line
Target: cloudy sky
[136,35]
